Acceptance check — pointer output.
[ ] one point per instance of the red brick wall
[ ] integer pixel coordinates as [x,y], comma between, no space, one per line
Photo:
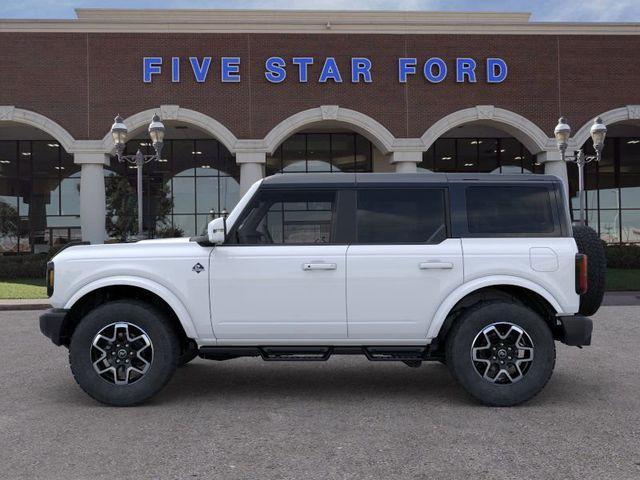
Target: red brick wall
[82,80]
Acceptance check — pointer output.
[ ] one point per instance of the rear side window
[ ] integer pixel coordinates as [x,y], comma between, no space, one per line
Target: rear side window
[517,210]
[401,216]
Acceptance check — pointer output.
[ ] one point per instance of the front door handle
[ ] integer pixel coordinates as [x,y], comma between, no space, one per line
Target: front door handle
[436,265]
[319,266]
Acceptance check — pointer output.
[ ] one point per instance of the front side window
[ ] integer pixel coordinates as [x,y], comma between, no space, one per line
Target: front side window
[281,217]
[502,210]
[401,216]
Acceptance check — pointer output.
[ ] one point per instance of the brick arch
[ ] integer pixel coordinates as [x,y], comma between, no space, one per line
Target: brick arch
[9,113]
[373,130]
[177,113]
[527,132]
[629,112]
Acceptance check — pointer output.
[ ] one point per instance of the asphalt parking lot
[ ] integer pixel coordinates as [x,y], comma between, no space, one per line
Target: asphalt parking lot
[346,418]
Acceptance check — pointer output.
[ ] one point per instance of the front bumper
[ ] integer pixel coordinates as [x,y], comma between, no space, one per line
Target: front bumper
[575,330]
[53,324]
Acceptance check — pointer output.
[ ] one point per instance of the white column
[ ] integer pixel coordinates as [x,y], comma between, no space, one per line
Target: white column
[406,162]
[553,165]
[251,168]
[92,195]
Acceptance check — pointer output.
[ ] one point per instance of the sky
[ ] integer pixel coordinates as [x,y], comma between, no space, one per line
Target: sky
[542,10]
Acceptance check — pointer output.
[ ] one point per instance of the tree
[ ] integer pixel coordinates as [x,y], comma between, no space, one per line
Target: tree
[9,221]
[122,207]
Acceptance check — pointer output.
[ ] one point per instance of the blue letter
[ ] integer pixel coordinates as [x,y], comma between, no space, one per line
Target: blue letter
[496,70]
[275,69]
[230,70]
[428,70]
[330,71]
[150,66]
[465,66]
[303,65]
[360,66]
[175,69]
[200,71]
[406,66]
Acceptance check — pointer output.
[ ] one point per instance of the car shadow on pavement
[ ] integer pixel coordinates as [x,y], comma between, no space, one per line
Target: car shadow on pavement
[351,380]
[244,380]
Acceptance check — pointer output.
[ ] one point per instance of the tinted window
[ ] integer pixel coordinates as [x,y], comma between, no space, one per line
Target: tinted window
[509,210]
[279,217]
[401,216]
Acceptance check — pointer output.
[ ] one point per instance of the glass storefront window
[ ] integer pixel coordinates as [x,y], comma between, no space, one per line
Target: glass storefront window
[294,154]
[319,152]
[630,226]
[39,196]
[612,190]
[322,152]
[467,154]
[486,155]
[195,180]
[445,155]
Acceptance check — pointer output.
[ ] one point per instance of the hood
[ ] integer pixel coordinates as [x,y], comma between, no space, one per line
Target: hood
[163,247]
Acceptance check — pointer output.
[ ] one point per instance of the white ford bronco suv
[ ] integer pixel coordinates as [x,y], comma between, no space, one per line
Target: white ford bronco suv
[481,272]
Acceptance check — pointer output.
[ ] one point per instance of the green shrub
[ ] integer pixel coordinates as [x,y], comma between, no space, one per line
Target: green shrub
[23,266]
[169,232]
[32,265]
[623,256]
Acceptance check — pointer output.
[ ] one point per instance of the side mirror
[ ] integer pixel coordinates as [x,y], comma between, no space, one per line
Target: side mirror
[217,230]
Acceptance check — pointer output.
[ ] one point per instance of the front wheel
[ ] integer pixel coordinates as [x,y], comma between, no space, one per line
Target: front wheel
[124,352]
[502,353]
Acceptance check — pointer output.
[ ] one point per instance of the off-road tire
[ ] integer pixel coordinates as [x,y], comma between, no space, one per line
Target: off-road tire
[166,351]
[589,243]
[459,352]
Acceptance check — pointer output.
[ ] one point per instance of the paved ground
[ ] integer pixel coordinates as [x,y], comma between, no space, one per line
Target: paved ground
[343,419]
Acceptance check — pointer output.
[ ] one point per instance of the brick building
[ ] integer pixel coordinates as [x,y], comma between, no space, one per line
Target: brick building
[251,93]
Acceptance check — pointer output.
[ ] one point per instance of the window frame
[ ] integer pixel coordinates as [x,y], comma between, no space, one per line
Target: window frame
[461,223]
[336,236]
[444,189]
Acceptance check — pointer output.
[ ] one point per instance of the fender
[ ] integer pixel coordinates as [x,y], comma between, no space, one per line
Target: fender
[176,305]
[483,282]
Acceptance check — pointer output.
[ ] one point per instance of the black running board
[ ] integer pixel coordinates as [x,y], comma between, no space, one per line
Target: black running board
[320,353]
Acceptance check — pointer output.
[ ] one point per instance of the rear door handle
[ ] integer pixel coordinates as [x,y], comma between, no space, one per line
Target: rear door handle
[436,265]
[319,266]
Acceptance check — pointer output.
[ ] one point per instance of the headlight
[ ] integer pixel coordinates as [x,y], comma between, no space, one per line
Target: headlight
[50,278]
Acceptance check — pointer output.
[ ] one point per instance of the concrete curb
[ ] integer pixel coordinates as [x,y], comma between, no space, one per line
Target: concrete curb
[16,305]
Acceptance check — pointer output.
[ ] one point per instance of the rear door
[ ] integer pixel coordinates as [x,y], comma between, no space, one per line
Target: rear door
[282,274]
[403,263]
[518,230]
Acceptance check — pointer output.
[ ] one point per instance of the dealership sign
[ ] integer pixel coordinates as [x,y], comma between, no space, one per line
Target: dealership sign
[310,69]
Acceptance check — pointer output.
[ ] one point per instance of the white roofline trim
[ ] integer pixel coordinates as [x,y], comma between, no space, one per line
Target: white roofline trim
[311,21]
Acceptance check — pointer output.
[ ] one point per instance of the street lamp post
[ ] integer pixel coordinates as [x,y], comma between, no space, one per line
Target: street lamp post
[119,133]
[562,133]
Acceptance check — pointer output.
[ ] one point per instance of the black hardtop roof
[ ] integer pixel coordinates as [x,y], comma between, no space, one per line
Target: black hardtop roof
[391,179]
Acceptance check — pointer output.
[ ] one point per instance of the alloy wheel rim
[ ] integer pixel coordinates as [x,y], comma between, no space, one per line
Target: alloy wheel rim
[121,353]
[502,353]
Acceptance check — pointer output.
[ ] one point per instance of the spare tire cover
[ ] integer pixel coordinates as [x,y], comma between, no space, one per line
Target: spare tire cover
[589,243]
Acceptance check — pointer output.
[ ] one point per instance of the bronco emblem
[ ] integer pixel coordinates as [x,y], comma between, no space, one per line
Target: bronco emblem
[198,268]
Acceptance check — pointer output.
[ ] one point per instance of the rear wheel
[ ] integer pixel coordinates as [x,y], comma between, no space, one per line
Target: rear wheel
[122,353]
[502,353]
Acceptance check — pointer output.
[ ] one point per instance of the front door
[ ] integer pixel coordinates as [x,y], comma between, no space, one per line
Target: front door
[402,265]
[281,276]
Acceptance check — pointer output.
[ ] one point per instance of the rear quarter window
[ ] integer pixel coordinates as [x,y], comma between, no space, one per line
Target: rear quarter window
[510,210]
